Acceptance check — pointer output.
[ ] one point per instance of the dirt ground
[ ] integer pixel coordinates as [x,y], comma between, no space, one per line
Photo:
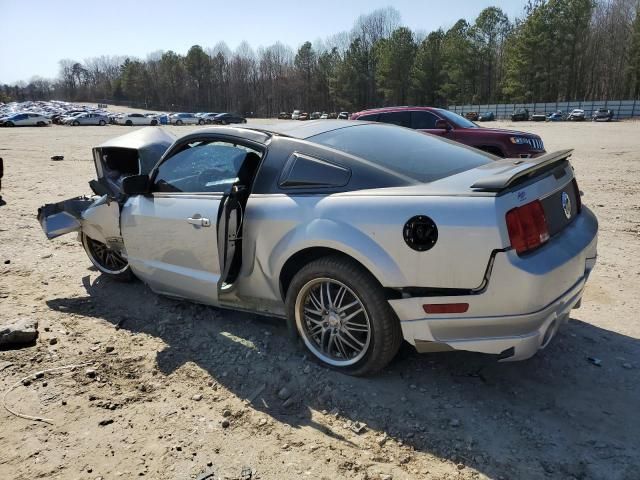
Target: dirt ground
[177,390]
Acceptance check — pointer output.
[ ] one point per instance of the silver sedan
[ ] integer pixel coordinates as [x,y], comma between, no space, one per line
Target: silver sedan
[359,234]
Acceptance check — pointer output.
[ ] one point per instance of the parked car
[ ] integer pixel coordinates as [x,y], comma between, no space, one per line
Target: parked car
[132,119]
[602,115]
[324,116]
[520,115]
[60,117]
[209,117]
[303,116]
[473,116]
[487,117]
[539,117]
[228,118]
[315,115]
[184,119]
[356,249]
[576,115]
[343,115]
[284,116]
[444,123]
[555,117]
[295,115]
[25,120]
[87,118]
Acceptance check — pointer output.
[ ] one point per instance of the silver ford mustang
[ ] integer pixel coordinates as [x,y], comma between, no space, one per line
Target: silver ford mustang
[359,234]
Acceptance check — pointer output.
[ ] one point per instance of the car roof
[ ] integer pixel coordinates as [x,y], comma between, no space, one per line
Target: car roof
[392,109]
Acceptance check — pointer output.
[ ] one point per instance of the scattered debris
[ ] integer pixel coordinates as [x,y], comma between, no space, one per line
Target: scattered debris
[628,366]
[4,365]
[358,427]
[105,422]
[90,372]
[197,397]
[20,331]
[595,361]
[57,158]
[225,423]
[53,341]
[454,422]
[284,393]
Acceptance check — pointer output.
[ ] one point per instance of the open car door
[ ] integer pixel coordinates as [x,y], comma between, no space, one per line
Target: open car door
[182,238]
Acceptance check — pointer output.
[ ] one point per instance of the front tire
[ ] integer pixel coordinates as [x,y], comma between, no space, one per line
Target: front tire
[108,261]
[154,123]
[75,123]
[340,312]
[128,123]
[178,122]
[102,123]
[200,122]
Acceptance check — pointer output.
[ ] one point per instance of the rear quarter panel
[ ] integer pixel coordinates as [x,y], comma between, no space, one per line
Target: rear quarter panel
[369,228]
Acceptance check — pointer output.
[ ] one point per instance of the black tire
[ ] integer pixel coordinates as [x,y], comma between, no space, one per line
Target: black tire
[223,122]
[244,120]
[75,123]
[128,123]
[112,265]
[201,122]
[41,124]
[154,123]
[384,335]
[9,124]
[178,122]
[102,123]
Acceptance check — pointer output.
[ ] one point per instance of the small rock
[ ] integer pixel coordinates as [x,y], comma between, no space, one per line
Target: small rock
[288,402]
[109,348]
[225,423]
[386,476]
[18,332]
[595,361]
[307,369]
[454,422]
[284,393]
[63,402]
[226,413]
[39,374]
[7,262]
[106,421]
[262,422]
[628,366]
[90,372]
[53,341]
[26,382]
[197,397]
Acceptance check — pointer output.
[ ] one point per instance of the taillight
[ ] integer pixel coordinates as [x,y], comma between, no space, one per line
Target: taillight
[578,196]
[527,227]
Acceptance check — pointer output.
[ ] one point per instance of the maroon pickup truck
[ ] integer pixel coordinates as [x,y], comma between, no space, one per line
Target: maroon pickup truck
[446,124]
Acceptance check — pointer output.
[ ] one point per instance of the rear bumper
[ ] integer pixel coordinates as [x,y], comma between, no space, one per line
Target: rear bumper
[524,303]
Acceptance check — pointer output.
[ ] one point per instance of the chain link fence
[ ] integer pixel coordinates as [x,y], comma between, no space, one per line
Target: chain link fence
[621,108]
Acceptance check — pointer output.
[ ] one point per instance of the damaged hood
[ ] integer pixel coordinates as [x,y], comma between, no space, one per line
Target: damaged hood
[147,144]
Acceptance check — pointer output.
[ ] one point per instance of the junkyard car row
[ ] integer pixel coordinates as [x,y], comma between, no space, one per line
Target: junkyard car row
[359,233]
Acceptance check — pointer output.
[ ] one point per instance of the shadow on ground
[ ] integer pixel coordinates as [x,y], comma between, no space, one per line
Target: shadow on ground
[556,415]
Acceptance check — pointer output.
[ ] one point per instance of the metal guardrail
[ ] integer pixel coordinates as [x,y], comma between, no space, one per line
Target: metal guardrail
[621,108]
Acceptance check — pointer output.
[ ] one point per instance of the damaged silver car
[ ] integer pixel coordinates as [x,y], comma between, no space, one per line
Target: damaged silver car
[359,234]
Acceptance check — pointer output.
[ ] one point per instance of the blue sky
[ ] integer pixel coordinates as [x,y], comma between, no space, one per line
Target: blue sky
[38,33]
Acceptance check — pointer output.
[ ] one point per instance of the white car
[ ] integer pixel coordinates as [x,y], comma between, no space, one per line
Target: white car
[87,118]
[25,120]
[131,119]
[295,115]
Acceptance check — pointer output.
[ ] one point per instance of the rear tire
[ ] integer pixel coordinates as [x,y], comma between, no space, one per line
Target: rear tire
[41,124]
[10,124]
[178,122]
[354,331]
[75,123]
[200,122]
[154,123]
[102,123]
[107,261]
[128,123]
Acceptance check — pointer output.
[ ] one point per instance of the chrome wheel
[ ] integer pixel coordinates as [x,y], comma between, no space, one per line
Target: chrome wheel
[104,258]
[333,322]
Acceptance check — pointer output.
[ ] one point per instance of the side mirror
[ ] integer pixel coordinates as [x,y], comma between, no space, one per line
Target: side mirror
[443,125]
[135,185]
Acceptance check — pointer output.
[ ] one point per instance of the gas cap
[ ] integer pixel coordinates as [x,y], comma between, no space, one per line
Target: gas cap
[420,233]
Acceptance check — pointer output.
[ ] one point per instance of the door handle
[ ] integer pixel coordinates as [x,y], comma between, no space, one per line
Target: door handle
[199,221]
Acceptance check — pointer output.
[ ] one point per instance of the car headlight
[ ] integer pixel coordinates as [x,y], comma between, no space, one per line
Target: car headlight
[519,140]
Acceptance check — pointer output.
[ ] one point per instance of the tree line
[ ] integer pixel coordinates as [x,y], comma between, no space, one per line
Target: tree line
[558,50]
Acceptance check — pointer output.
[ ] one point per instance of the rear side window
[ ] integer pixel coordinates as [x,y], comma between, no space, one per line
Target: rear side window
[372,117]
[306,171]
[423,120]
[422,157]
[403,119]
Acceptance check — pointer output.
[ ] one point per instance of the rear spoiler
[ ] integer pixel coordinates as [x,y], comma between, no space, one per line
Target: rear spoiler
[522,169]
